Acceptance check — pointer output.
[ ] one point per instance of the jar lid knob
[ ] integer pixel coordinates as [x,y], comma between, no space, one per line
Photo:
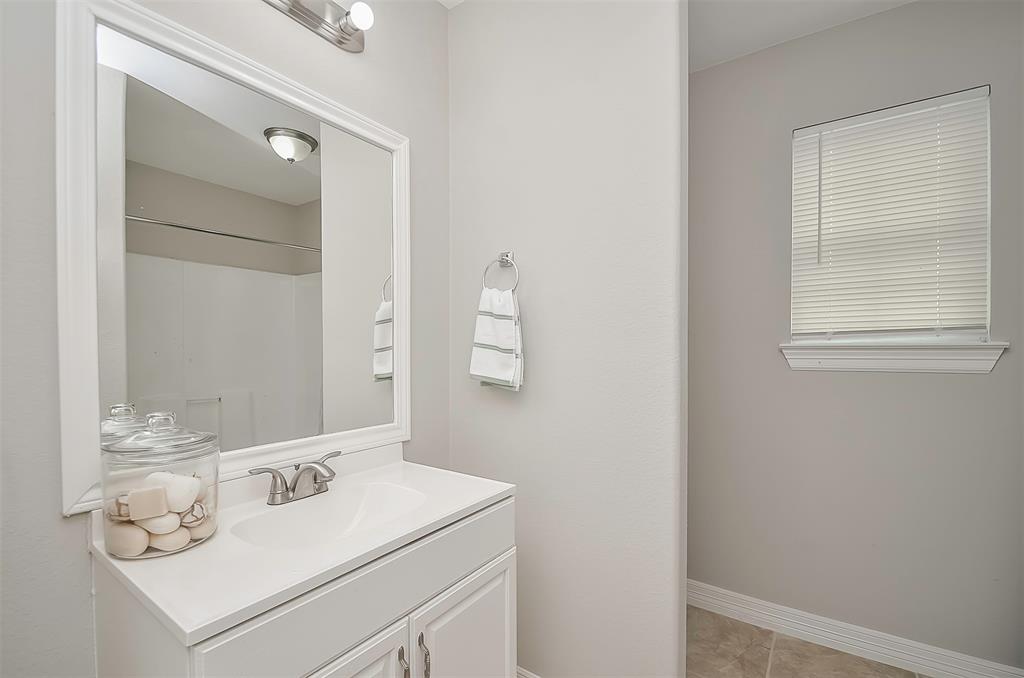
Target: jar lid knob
[158,420]
[121,410]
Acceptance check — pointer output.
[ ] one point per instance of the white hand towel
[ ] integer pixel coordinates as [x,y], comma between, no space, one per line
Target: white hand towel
[497,357]
[383,342]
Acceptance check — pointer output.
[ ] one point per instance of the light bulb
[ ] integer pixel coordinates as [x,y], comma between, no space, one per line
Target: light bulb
[360,16]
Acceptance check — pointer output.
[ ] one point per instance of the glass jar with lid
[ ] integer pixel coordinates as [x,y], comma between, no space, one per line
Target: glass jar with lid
[159,488]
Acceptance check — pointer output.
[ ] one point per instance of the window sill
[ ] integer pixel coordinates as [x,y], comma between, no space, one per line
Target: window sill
[894,356]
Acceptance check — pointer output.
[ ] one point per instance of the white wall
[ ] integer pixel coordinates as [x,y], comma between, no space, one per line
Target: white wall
[357,234]
[891,501]
[110,237]
[198,333]
[46,616]
[566,148]
[401,81]
[309,352]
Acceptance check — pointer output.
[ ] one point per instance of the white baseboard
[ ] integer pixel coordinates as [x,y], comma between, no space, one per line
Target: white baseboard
[523,673]
[856,640]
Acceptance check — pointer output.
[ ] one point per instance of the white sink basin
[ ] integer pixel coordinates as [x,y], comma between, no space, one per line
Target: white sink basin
[344,510]
[262,556]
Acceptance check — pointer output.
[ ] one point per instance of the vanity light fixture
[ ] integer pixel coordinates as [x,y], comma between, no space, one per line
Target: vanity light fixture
[291,144]
[331,21]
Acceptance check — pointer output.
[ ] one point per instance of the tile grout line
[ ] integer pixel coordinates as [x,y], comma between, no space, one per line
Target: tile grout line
[771,656]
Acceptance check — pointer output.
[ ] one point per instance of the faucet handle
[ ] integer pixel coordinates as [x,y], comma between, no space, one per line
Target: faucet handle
[278,485]
[324,473]
[330,455]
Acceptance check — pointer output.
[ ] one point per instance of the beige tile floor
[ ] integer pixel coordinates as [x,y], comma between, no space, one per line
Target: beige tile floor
[719,647]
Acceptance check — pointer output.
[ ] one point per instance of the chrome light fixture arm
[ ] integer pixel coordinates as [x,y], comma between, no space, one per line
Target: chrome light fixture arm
[332,22]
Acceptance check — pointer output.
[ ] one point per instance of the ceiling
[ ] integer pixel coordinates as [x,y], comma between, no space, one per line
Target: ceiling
[189,121]
[162,132]
[722,30]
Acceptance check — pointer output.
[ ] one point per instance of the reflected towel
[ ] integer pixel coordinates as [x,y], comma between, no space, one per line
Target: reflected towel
[383,342]
[497,357]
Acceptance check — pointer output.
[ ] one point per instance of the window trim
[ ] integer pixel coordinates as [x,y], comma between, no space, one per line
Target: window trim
[894,353]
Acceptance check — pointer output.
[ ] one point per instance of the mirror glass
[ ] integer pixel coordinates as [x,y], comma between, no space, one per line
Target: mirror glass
[244,253]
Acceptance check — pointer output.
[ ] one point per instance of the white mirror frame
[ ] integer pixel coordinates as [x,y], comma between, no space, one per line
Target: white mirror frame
[78,343]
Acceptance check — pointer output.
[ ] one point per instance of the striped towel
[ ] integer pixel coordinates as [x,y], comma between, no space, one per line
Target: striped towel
[383,342]
[497,357]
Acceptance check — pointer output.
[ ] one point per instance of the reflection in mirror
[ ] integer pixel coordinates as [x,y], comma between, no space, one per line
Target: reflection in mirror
[241,275]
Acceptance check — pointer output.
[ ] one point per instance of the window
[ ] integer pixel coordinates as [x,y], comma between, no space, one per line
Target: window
[891,230]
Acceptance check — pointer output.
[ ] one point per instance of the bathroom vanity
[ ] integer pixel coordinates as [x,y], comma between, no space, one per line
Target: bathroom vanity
[399,570]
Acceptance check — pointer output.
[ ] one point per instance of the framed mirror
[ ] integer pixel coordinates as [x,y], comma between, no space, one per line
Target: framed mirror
[231,247]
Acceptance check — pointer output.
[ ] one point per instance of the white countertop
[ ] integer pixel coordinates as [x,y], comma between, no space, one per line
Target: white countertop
[228,580]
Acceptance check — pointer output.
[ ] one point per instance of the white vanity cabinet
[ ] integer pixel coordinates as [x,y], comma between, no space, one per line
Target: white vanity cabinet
[467,631]
[451,582]
[386,655]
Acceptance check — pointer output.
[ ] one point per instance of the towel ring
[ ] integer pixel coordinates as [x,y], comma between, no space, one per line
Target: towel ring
[504,260]
[384,287]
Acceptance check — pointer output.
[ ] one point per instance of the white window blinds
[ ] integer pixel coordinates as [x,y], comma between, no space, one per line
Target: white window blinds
[891,220]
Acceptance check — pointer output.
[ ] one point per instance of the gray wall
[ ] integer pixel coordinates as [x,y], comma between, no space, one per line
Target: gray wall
[566,148]
[159,194]
[401,81]
[892,501]
[684,320]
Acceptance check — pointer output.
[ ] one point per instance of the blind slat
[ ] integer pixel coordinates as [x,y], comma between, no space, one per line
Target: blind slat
[890,220]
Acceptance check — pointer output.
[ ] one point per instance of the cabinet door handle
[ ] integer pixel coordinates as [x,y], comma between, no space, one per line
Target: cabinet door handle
[426,656]
[401,662]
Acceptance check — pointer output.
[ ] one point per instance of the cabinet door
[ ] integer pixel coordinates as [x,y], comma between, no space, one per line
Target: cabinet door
[383,656]
[469,631]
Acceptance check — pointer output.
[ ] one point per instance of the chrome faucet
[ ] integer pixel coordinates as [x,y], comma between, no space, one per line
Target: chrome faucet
[309,479]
